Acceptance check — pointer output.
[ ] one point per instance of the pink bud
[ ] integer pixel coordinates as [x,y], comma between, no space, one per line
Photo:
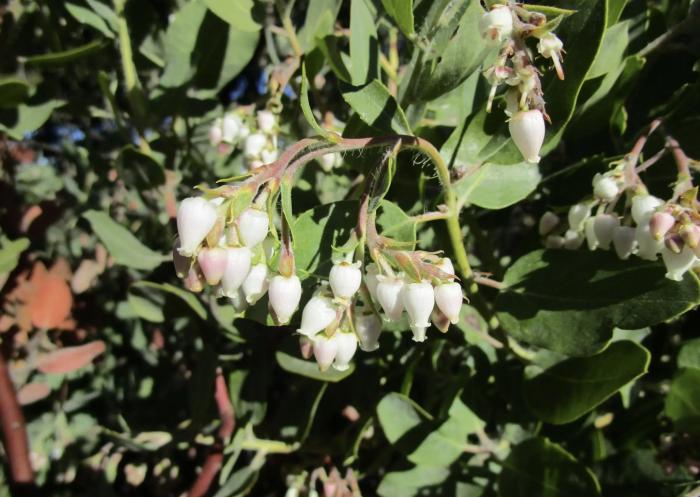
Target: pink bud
[194,281]
[212,262]
[660,224]
[325,350]
[306,346]
[527,130]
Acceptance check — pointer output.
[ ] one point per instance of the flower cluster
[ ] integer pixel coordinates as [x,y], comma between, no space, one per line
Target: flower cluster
[647,227]
[506,26]
[258,140]
[231,256]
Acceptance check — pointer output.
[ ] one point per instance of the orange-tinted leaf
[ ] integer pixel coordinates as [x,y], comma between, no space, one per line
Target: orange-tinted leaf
[29,217]
[50,305]
[69,359]
[32,392]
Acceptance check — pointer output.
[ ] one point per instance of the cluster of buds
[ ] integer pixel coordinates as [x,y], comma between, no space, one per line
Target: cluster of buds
[506,27]
[647,227]
[231,254]
[257,140]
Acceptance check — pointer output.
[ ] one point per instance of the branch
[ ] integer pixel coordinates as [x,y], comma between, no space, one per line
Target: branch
[214,460]
[14,430]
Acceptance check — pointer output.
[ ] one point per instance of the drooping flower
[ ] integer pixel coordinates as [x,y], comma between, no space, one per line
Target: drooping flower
[195,219]
[256,283]
[389,296]
[527,130]
[448,298]
[253,226]
[347,346]
[419,300]
[319,312]
[345,279]
[284,294]
[237,269]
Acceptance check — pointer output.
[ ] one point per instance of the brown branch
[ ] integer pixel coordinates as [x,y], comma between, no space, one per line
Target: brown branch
[14,431]
[214,460]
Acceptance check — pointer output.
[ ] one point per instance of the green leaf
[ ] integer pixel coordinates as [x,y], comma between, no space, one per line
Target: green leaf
[445,445]
[540,468]
[495,186]
[66,56]
[142,169]
[689,355]
[569,301]
[13,91]
[409,483]
[334,57]
[90,18]
[317,230]
[376,106]
[145,309]
[573,387]
[239,14]
[188,297]
[402,12]
[587,24]
[398,414]
[124,247]
[320,17]
[364,47]
[27,117]
[462,56]
[306,106]
[683,401]
[310,369]
[10,251]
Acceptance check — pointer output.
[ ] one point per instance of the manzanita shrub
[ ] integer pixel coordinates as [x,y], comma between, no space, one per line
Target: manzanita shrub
[342,248]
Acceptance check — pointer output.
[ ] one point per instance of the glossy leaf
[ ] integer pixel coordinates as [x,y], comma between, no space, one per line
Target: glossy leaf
[376,107]
[310,369]
[27,117]
[397,415]
[364,45]
[689,355]
[411,482]
[239,14]
[540,468]
[569,301]
[124,247]
[402,12]
[189,298]
[90,18]
[683,401]
[573,387]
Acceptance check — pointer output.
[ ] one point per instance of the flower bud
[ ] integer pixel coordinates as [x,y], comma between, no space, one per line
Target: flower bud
[195,218]
[643,206]
[578,213]
[368,328]
[604,226]
[496,25]
[194,281]
[284,294]
[624,241]
[548,222]
[660,224]
[678,264]
[439,320]
[325,350]
[605,188]
[691,235]
[448,297]
[267,121]
[329,161]
[256,283]
[237,269]
[212,262]
[319,313]
[254,145]
[216,133]
[345,279]
[445,265]
[231,127]
[253,226]
[554,242]
[306,346]
[389,296]
[647,246]
[269,156]
[573,240]
[527,130]
[419,300]
[371,272]
[347,346]
[589,229]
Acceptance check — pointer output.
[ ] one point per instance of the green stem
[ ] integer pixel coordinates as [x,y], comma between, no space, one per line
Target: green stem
[134,92]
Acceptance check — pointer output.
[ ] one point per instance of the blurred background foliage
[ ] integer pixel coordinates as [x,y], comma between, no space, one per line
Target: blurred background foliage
[105,109]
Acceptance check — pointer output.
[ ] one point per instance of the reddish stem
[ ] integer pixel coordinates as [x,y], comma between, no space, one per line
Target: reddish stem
[214,460]
[14,430]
